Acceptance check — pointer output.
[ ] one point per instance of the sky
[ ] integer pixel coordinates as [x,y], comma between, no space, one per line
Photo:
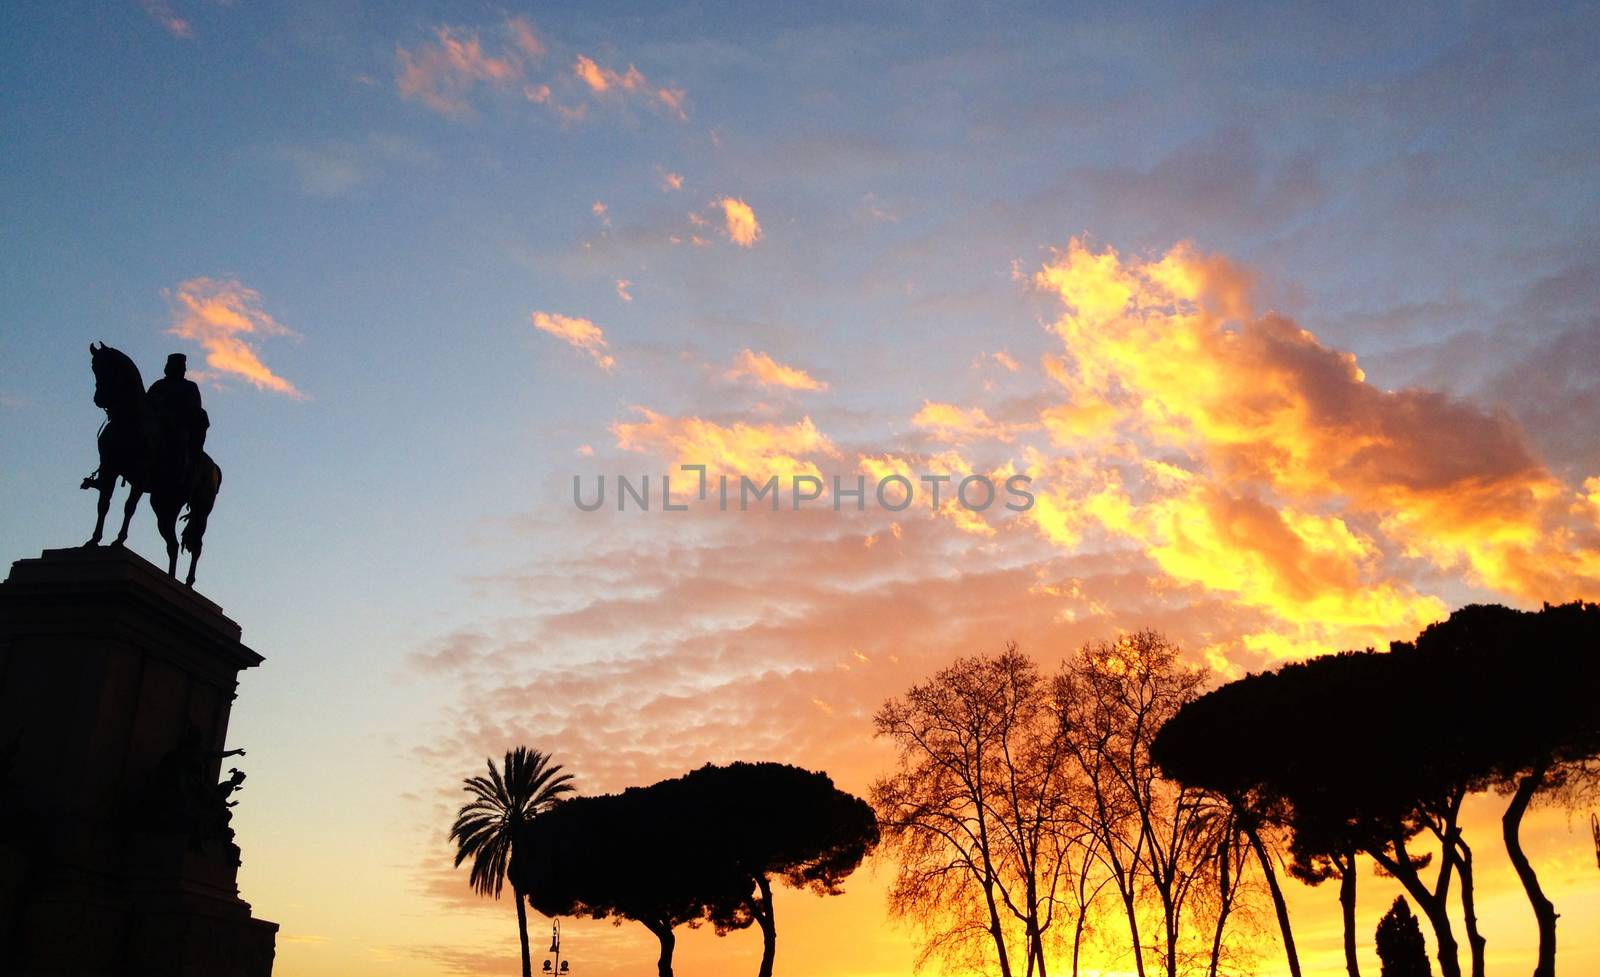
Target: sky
[1288,311]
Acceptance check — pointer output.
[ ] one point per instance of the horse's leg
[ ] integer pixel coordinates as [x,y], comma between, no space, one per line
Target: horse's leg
[167,522]
[194,557]
[127,514]
[102,506]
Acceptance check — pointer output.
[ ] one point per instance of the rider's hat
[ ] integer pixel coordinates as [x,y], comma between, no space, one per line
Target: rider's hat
[177,359]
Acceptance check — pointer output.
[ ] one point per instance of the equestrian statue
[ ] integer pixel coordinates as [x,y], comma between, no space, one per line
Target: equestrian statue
[154,440]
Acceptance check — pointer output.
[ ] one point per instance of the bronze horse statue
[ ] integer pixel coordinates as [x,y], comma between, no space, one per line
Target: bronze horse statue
[149,457]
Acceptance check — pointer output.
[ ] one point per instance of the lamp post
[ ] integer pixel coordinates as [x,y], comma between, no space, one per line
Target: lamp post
[560,967]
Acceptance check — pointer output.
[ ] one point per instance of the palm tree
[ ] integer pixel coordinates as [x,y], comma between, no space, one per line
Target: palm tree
[486,825]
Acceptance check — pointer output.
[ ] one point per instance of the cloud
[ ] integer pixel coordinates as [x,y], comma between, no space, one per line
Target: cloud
[162,13]
[670,181]
[219,315]
[741,224]
[959,424]
[442,74]
[605,81]
[1171,352]
[579,333]
[337,168]
[754,450]
[765,371]
[524,37]
[622,290]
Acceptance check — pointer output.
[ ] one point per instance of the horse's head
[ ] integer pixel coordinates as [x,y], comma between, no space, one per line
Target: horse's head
[117,382]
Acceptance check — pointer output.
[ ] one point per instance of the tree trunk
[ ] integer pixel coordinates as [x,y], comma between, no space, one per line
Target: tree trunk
[1469,911]
[1077,942]
[1278,904]
[1347,907]
[1439,917]
[1434,905]
[1133,928]
[1543,909]
[769,928]
[522,930]
[1224,882]
[995,929]
[663,932]
[1036,938]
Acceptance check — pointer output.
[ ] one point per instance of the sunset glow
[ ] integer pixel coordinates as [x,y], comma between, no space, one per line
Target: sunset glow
[1285,321]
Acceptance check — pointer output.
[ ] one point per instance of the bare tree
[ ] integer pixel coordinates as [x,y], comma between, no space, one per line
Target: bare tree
[1150,834]
[973,807]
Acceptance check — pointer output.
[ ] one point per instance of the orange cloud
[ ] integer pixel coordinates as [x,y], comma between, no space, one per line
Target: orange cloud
[591,74]
[523,36]
[764,370]
[441,75]
[670,181]
[622,290]
[740,220]
[754,450]
[959,424]
[219,314]
[579,333]
[602,81]
[1171,352]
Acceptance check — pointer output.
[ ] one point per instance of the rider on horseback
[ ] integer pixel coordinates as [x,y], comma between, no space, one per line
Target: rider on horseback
[181,419]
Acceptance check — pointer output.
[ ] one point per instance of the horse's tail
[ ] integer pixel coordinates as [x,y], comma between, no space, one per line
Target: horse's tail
[206,486]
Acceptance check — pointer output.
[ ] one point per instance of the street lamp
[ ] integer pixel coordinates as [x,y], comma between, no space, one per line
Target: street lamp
[559,967]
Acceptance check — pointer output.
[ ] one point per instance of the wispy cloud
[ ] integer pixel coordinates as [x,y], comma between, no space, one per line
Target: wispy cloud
[442,74]
[579,333]
[740,222]
[448,72]
[162,13]
[338,168]
[765,371]
[736,449]
[225,317]
[958,424]
[607,81]
[525,38]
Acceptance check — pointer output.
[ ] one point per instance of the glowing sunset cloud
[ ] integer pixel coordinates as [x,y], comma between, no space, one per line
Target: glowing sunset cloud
[219,314]
[441,75]
[958,423]
[579,333]
[1273,426]
[754,450]
[740,220]
[603,81]
[764,370]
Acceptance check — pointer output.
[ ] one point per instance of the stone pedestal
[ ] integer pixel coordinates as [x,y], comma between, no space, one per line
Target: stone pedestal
[105,664]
